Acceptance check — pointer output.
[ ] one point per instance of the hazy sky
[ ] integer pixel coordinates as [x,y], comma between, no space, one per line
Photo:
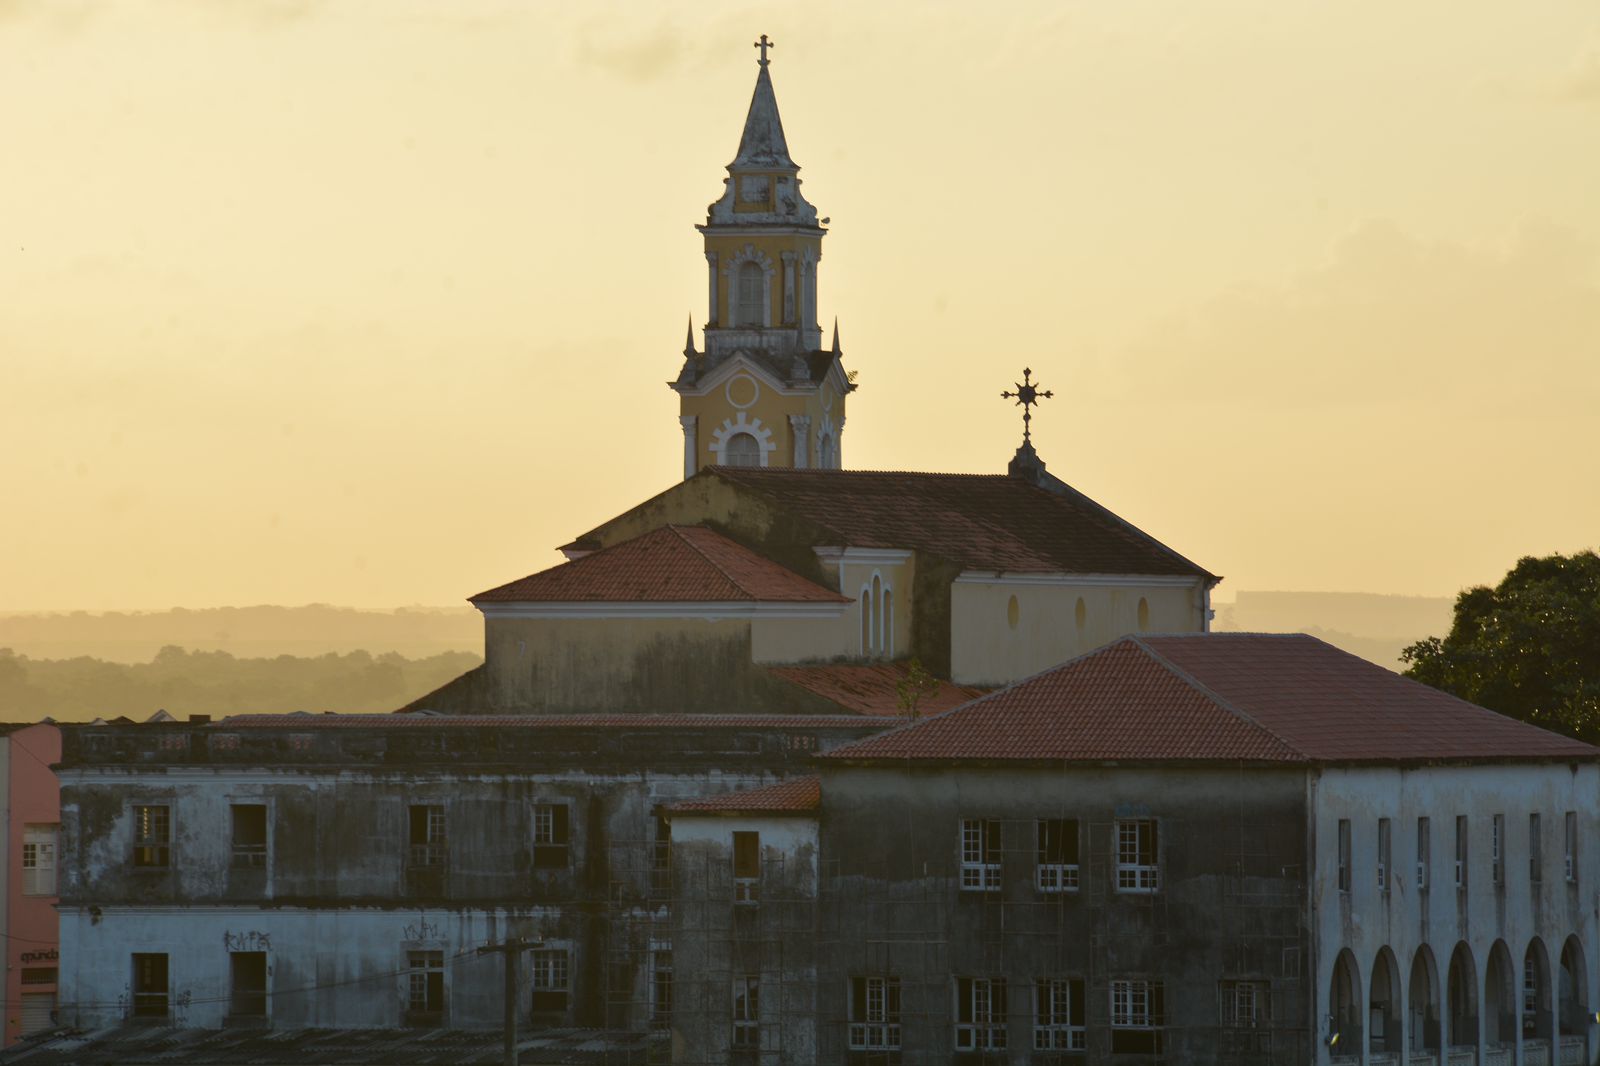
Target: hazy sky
[372,302]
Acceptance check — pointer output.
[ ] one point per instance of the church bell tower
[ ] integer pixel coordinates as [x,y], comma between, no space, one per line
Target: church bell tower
[763,391]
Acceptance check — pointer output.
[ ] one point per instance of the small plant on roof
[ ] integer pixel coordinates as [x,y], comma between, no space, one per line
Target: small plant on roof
[914,687]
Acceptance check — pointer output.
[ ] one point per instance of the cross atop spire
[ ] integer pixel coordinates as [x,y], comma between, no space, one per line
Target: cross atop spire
[764,44]
[1027,397]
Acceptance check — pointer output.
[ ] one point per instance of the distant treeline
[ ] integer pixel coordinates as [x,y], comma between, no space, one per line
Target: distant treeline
[216,683]
[257,632]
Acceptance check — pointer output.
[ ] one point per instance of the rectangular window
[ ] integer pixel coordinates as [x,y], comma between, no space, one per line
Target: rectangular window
[1530,996]
[747,1011]
[1497,836]
[249,834]
[1424,854]
[1137,1010]
[1535,849]
[1244,1004]
[980,855]
[152,836]
[39,860]
[551,980]
[249,972]
[1461,852]
[980,1013]
[661,989]
[874,1013]
[661,857]
[1571,836]
[746,867]
[425,982]
[1344,854]
[150,985]
[427,835]
[1383,855]
[1056,868]
[1137,869]
[39,975]
[551,840]
[1058,1018]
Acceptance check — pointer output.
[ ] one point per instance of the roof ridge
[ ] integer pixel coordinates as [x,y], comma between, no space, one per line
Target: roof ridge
[1212,695]
[718,567]
[1100,510]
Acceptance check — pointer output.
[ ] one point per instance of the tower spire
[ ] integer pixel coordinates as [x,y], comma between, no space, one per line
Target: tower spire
[688,345]
[763,145]
[835,334]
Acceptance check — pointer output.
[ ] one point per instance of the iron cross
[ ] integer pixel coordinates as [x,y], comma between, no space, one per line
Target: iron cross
[1027,396]
[764,44]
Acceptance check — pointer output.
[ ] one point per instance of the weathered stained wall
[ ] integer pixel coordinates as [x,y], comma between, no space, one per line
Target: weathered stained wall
[1232,902]
[717,939]
[992,646]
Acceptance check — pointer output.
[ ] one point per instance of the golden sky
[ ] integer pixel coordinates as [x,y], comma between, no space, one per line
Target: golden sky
[372,302]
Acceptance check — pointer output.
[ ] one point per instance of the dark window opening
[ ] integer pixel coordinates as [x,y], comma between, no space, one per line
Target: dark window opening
[1138,1012]
[551,839]
[874,1013]
[425,987]
[249,834]
[428,844]
[1057,865]
[1058,1017]
[550,981]
[249,984]
[746,867]
[39,975]
[152,836]
[980,854]
[150,985]
[661,857]
[747,1011]
[661,990]
[980,1013]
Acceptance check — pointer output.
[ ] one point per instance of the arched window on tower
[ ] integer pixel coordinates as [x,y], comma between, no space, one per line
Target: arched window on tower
[752,294]
[825,456]
[741,449]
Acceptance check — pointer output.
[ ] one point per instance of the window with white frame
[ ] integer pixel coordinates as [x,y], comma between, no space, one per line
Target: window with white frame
[661,988]
[1497,836]
[741,449]
[1461,852]
[980,1013]
[1244,1004]
[747,1011]
[1056,866]
[425,985]
[551,980]
[751,308]
[874,1013]
[1535,849]
[551,836]
[1424,854]
[1571,836]
[980,855]
[1383,855]
[426,828]
[746,867]
[1344,854]
[249,834]
[1137,862]
[1058,1016]
[39,860]
[1137,1014]
[152,835]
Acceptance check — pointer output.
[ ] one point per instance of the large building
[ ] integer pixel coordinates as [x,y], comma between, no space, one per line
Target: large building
[30,803]
[299,872]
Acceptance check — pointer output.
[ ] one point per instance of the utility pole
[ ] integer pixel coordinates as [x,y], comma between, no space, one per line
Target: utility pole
[512,948]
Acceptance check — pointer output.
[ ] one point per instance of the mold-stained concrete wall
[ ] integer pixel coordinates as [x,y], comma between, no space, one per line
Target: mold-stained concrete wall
[719,938]
[1232,903]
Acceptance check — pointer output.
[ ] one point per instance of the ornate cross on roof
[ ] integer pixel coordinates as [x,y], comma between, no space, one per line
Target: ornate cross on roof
[764,44]
[1027,397]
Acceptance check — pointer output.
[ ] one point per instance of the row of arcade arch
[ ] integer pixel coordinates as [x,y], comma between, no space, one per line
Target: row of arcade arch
[1531,1005]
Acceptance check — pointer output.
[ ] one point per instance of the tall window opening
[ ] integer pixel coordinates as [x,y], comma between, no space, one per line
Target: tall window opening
[980,855]
[39,860]
[1383,855]
[752,295]
[1424,856]
[150,985]
[1497,836]
[425,986]
[1571,836]
[551,980]
[661,989]
[152,836]
[249,834]
[1137,1014]
[551,842]
[746,867]
[427,835]
[249,987]
[1344,854]
[1057,866]
[980,1013]
[1058,1017]
[1137,869]
[874,1013]
[1535,850]
[747,1011]
[1461,852]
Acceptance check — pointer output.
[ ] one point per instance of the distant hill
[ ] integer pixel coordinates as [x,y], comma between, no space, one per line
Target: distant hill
[1369,624]
[245,632]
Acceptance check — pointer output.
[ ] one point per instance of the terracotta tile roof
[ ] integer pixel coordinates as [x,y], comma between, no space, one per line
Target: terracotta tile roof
[979,521]
[673,564]
[798,795]
[1274,698]
[553,721]
[871,688]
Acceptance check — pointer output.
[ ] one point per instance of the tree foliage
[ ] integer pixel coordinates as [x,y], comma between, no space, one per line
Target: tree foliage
[1528,648]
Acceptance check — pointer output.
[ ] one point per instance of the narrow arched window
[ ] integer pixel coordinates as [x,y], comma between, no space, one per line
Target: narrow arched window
[752,294]
[877,615]
[825,460]
[888,623]
[741,449]
[865,602]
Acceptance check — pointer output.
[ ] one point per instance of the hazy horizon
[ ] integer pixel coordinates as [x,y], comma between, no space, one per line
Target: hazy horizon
[361,302]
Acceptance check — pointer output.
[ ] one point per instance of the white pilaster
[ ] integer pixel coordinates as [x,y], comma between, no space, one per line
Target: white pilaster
[711,262]
[800,425]
[688,424]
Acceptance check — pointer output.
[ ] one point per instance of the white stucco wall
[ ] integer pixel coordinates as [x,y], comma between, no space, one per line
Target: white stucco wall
[1367,919]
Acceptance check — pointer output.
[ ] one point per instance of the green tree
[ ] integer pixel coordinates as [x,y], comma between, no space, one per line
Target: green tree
[1528,648]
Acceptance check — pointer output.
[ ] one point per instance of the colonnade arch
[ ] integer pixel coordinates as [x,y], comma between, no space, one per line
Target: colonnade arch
[1423,996]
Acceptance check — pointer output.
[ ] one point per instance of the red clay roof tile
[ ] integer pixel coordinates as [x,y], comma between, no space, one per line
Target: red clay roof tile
[871,688]
[673,564]
[1276,698]
[550,721]
[797,795]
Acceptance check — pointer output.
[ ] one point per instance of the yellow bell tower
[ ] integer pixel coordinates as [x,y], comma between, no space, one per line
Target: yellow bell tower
[763,392]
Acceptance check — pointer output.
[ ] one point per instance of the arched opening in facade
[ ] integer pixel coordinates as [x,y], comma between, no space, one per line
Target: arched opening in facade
[1424,1002]
[750,309]
[741,449]
[877,615]
[1462,988]
[1344,1006]
[1500,998]
[866,620]
[1144,614]
[1536,1012]
[1383,1005]
[888,623]
[1573,1000]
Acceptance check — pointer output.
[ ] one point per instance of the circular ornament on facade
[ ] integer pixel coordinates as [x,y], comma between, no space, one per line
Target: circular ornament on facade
[742,391]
